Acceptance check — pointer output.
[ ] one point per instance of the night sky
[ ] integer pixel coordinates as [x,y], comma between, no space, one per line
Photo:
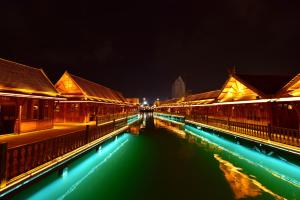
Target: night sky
[139,48]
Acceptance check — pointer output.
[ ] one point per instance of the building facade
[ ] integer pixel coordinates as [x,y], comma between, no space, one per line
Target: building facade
[27,98]
[178,88]
[246,100]
[86,100]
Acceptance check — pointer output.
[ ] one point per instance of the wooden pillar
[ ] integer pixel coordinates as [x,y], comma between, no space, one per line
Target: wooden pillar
[65,111]
[87,113]
[269,108]
[270,119]
[3,157]
[87,130]
[207,110]
[19,106]
[20,118]
[296,106]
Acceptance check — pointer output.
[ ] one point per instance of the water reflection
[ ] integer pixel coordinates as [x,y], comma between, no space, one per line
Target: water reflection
[249,173]
[175,128]
[242,185]
[239,163]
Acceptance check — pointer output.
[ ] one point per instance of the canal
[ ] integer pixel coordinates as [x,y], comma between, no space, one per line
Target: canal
[159,164]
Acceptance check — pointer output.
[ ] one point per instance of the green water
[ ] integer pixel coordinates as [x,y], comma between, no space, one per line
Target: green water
[159,164]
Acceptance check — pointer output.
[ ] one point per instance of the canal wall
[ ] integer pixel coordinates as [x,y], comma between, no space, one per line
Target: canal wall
[24,163]
[280,151]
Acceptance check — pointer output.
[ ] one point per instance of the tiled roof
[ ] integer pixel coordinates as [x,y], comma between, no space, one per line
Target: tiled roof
[202,96]
[287,88]
[96,90]
[169,101]
[268,84]
[15,77]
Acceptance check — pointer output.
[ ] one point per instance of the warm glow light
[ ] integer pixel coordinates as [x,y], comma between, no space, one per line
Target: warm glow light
[241,102]
[295,89]
[65,101]
[29,96]
[28,91]
[235,90]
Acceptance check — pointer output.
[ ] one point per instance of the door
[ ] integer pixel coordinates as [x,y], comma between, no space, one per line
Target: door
[7,118]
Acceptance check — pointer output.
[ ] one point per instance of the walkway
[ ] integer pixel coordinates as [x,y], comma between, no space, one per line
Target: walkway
[14,140]
[278,145]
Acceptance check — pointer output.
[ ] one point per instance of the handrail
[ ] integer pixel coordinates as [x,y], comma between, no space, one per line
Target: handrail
[273,133]
[106,118]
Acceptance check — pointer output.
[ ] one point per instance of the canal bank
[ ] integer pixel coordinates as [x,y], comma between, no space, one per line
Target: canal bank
[279,150]
[27,163]
[158,164]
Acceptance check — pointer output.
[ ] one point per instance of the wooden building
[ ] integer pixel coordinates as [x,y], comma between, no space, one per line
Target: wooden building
[26,98]
[133,101]
[86,100]
[250,99]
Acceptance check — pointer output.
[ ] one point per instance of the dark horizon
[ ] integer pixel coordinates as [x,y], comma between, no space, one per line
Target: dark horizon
[140,48]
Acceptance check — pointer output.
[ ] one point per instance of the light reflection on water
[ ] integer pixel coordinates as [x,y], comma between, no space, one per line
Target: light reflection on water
[242,185]
[156,165]
[166,125]
[249,173]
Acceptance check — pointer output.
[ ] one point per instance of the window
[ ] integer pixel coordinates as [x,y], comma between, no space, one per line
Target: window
[26,110]
[74,107]
[46,110]
[35,109]
[57,108]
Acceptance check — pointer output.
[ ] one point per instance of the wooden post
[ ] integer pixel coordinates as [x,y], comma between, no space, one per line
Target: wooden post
[3,171]
[64,111]
[87,130]
[20,118]
[271,120]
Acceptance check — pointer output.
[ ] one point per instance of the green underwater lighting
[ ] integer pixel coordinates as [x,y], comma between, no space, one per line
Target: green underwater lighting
[133,119]
[78,172]
[154,163]
[170,117]
[277,168]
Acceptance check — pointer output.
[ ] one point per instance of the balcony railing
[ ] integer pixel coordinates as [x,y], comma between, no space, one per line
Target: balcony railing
[106,118]
[18,160]
[277,134]
[272,133]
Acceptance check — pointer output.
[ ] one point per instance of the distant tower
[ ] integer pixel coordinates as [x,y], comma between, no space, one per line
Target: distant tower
[178,88]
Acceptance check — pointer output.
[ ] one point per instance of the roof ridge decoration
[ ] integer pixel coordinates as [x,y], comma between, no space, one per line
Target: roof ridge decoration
[68,75]
[240,90]
[260,93]
[90,89]
[288,90]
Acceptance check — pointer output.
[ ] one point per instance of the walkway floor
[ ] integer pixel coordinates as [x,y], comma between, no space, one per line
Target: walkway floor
[14,140]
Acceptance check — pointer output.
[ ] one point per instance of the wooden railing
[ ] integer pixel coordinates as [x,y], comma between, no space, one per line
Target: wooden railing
[17,160]
[277,134]
[106,118]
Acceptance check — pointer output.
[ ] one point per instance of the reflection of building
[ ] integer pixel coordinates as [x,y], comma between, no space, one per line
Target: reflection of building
[178,88]
[26,98]
[86,99]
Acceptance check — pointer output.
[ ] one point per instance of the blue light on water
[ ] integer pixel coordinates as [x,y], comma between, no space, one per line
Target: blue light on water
[132,119]
[77,174]
[276,167]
